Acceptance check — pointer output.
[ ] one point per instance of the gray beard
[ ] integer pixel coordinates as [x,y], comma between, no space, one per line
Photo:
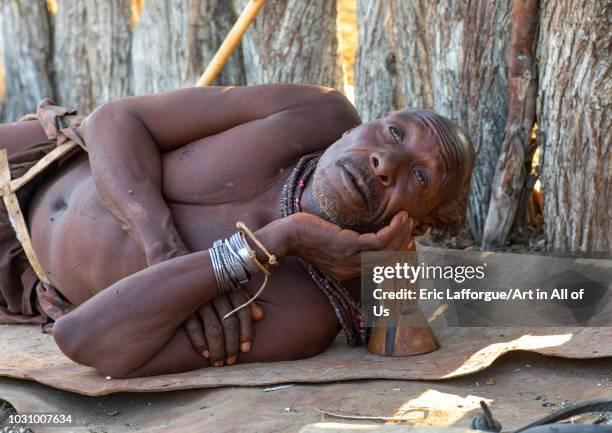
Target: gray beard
[328,206]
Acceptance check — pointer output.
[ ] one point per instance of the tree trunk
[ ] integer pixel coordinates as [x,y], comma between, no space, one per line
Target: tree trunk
[575,126]
[92,52]
[174,41]
[445,22]
[484,96]
[293,42]
[2,84]
[511,173]
[449,56]
[410,55]
[392,66]
[26,46]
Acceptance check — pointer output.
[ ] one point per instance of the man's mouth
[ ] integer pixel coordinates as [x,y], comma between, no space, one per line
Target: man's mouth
[357,183]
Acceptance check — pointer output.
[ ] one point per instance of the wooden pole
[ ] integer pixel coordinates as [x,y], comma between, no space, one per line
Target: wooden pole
[231,41]
[510,172]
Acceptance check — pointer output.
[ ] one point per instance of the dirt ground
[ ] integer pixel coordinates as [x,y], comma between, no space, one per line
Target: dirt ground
[520,388]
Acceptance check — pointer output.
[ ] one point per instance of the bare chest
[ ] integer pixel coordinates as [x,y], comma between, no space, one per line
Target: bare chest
[85,249]
[214,171]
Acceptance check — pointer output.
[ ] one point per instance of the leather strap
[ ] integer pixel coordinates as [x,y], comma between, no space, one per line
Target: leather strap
[59,152]
[8,189]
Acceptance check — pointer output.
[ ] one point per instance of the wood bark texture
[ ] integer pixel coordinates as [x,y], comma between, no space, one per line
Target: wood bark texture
[575,125]
[292,42]
[392,65]
[445,24]
[449,56]
[484,97]
[174,41]
[2,83]
[92,52]
[511,171]
[26,47]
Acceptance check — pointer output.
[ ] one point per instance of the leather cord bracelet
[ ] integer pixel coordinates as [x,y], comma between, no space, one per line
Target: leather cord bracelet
[234,261]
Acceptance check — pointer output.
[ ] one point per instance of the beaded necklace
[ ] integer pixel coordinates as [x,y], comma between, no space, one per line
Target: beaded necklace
[345,308]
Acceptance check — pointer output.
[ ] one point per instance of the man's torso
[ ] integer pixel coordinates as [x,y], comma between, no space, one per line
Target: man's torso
[208,185]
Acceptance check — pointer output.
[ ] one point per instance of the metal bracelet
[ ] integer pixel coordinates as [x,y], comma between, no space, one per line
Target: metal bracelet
[232,262]
[238,242]
[228,263]
[236,264]
[218,270]
[228,274]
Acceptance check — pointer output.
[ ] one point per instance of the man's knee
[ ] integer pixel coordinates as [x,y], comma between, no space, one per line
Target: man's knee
[293,331]
[320,328]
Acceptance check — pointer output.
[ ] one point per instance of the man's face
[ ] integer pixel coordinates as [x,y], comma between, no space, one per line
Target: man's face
[377,170]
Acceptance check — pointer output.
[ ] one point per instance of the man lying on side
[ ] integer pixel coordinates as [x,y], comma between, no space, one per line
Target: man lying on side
[126,233]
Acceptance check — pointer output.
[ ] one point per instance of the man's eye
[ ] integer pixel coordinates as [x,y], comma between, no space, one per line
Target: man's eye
[396,134]
[420,177]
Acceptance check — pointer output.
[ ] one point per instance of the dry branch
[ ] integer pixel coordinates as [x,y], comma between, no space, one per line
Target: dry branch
[510,173]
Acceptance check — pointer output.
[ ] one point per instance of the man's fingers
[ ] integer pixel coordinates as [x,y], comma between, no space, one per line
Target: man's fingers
[410,245]
[388,233]
[246,321]
[403,238]
[256,311]
[381,239]
[213,332]
[231,328]
[193,328]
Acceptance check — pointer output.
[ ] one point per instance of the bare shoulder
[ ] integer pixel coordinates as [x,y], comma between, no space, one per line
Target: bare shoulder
[319,102]
[322,112]
[308,117]
[317,115]
[287,122]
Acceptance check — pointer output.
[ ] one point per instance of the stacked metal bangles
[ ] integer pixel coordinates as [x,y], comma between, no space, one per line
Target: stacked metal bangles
[232,263]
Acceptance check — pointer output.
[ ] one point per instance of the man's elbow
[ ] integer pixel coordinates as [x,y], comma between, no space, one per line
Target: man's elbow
[73,341]
[65,337]
[104,118]
[101,115]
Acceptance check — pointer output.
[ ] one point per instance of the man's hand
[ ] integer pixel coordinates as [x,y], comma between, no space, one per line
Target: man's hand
[222,340]
[336,251]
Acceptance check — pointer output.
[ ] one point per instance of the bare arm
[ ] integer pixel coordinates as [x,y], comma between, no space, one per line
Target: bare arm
[126,168]
[132,327]
[126,137]
[126,324]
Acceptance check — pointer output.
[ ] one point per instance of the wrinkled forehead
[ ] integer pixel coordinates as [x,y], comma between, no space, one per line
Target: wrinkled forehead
[417,127]
[433,135]
[420,136]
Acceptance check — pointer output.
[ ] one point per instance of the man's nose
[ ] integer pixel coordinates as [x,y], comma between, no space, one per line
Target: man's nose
[384,167]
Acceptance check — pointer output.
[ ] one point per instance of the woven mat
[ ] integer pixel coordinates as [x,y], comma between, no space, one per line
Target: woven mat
[29,354]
